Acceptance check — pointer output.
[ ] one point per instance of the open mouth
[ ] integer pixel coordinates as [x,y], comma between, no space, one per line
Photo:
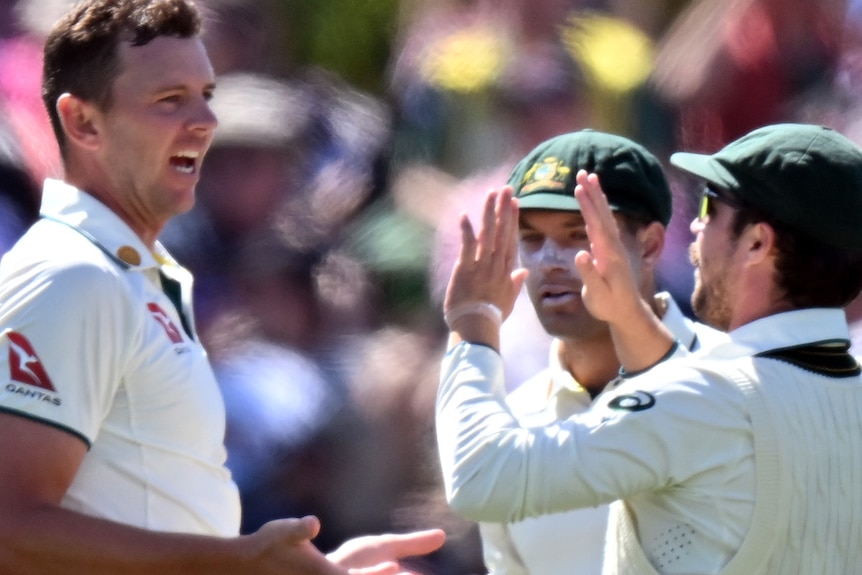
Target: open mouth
[185,162]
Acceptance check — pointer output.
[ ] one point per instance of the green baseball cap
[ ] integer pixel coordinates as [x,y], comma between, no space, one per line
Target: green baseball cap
[631,177]
[805,176]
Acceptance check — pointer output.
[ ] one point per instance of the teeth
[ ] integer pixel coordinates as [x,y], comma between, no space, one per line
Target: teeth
[185,160]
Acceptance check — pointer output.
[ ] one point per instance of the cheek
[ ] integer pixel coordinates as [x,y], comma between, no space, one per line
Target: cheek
[528,258]
[550,255]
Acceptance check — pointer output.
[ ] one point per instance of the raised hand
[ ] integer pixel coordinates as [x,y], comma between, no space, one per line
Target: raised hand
[610,289]
[484,283]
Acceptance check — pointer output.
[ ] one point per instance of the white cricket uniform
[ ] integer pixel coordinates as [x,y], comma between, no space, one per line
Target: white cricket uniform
[676,444]
[92,345]
[569,542]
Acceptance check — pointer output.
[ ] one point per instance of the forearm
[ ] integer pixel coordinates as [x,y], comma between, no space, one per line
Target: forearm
[641,340]
[495,470]
[61,542]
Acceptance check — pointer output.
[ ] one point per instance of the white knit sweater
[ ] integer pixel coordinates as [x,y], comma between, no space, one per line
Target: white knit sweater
[808,456]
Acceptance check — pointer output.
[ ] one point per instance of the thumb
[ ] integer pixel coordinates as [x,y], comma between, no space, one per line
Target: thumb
[295,530]
[519,276]
[586,266]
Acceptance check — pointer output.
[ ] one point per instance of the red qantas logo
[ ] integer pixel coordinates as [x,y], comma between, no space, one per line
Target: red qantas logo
[164,319]
[24,365]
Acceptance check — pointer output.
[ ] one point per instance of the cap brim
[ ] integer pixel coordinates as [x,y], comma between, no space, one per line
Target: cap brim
[549,201]
[559,202]
[705,167]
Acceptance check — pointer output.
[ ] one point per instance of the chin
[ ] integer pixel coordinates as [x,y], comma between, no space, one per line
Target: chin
[574,328]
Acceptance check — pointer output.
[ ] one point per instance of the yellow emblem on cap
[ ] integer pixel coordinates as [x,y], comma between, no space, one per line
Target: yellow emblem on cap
[550,173]
[129,255]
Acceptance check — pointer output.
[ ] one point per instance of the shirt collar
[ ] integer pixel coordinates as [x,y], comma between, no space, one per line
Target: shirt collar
[786,329]
[77,209]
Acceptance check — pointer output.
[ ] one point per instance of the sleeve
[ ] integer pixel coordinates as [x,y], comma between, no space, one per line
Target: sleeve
[498,550]
[642,436]
[61,350]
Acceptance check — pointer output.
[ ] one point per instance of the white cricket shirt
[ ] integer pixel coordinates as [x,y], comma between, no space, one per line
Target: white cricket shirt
[568,542]
[92,345]
[676,444]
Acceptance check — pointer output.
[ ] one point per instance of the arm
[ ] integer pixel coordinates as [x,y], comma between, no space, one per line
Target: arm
[634,439]
[610,291]
[38,536]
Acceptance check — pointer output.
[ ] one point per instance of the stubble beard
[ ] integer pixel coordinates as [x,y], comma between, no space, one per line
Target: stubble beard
[709,299]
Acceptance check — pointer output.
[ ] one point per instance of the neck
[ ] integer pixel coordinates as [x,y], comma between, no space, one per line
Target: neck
[147,234]
[758,297]
[592,363]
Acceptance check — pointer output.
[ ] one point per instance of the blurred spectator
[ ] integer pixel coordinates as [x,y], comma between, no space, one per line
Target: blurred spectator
[289,422]
[727,67]
[21,81]
[241,35]
[18,190]
[349,39]
[246,177]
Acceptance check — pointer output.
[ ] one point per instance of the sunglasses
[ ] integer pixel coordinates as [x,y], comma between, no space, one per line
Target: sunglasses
[709,195]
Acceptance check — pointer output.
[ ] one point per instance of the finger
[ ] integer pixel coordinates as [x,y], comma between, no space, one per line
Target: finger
[415,543]
[487,233]
[386,568]
[510,238]
[294,531]
[586,268]
[595,207]
[519,276]
[468,241]
[585,193]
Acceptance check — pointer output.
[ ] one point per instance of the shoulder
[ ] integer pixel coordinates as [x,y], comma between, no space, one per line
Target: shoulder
[50,264]
[531,396]
[685,387]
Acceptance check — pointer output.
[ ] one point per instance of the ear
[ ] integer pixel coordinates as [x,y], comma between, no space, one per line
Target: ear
[759,242]
[651,239]
[78,120]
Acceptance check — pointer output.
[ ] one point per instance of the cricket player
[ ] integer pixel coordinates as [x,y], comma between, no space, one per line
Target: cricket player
[739,458]
[582,358]
[111,421]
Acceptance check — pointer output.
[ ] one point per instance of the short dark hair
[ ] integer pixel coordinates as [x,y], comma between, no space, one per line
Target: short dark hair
[633,223]
[81,51]
[810,273]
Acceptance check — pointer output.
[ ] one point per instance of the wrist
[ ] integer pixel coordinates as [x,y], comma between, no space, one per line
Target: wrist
[483,309]
[475,322]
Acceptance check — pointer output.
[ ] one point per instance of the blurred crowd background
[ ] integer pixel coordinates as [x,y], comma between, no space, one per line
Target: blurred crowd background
[351,136]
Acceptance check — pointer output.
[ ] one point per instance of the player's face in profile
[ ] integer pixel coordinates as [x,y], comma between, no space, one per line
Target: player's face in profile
[548,243]
[158,128]
[711,254]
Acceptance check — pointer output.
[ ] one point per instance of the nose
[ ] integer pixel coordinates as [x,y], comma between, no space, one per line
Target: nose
[696,225]
[550,254]
[553,257]
[203,117]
